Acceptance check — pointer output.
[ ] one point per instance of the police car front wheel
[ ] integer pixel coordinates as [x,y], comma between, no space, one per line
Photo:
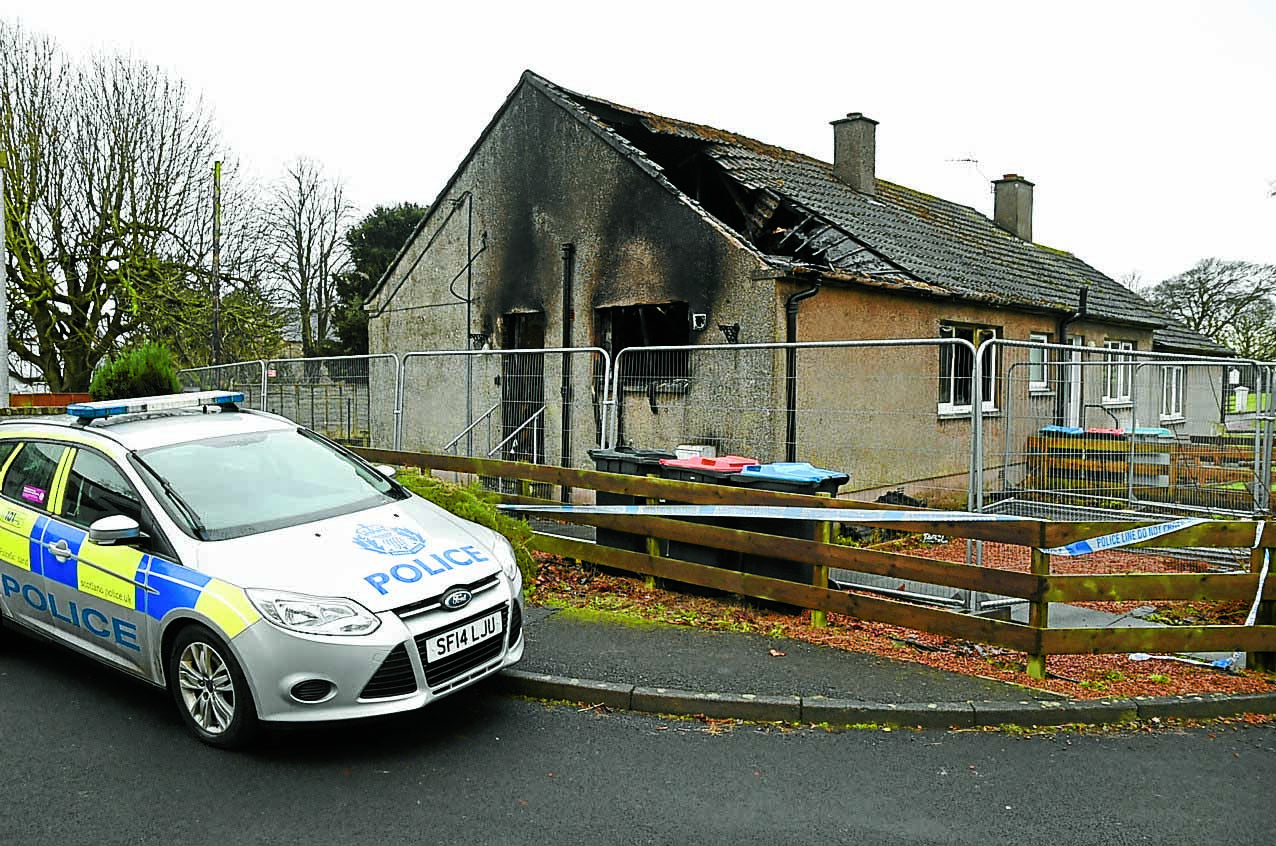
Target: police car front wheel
[210,689]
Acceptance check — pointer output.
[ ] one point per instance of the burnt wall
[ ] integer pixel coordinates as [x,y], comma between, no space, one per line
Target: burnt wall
[541,178]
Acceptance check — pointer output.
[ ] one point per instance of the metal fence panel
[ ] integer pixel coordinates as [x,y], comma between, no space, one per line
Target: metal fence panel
[248,377]
[1080,428]
[884,412]
[895,416]
[1093,434]
[545,406]
[335,396]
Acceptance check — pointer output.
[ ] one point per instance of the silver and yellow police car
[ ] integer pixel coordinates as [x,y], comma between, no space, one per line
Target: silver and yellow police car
[258,571]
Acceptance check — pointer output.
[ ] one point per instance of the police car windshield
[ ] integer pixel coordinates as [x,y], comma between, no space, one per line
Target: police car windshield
[248,483]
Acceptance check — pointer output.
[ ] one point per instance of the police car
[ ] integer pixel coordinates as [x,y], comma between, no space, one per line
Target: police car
[255,569]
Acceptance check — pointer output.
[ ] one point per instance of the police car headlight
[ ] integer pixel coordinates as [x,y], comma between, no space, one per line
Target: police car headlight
[509,562]
[314,614]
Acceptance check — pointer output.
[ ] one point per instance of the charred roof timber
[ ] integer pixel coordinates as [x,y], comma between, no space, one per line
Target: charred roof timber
[776,225]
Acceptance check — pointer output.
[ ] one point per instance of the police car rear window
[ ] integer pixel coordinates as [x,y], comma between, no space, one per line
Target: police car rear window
[248,483]
[29,479]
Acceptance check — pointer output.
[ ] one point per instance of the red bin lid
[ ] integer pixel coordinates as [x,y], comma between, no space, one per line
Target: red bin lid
[720,464]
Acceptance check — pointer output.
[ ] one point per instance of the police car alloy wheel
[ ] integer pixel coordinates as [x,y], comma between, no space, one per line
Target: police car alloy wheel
[210,690]
[260,572]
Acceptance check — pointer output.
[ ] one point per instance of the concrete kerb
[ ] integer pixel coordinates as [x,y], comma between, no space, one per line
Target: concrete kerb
[820,710]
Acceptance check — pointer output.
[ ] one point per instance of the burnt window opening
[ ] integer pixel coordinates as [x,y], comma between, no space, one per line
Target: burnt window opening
[657,325]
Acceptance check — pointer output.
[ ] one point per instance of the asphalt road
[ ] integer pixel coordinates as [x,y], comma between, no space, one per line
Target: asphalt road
[89,758]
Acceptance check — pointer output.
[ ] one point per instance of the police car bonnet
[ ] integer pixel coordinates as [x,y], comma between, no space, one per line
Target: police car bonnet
[383,558]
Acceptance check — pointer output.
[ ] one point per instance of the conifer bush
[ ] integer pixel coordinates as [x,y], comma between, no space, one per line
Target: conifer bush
[143,371]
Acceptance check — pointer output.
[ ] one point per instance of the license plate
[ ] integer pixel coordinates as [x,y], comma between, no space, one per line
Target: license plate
[447,643]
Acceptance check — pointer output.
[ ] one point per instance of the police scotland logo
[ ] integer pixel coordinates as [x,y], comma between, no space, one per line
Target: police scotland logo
[389,540]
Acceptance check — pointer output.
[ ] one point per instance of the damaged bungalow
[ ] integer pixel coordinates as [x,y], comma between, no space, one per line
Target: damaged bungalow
[576,222]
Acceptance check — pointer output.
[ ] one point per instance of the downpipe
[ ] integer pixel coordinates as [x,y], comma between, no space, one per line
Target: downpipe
[790,361]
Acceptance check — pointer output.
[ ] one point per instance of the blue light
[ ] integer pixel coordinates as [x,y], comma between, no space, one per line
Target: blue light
[110,408]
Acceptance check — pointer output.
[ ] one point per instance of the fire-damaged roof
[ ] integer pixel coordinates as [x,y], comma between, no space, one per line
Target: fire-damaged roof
[795,212]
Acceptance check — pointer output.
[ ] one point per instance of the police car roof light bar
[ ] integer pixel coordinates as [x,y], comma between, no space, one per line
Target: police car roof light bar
[85,412]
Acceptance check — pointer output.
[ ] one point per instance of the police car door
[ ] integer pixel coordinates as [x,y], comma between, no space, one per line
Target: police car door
[97,588]
[28,473]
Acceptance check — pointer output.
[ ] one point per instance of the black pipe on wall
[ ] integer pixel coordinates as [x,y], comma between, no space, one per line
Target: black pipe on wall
[569,317]
[1065,323]
[790,360]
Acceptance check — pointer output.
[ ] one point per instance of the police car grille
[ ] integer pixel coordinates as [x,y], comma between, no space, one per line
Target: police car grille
[441,672]
[393,678]
[434,602]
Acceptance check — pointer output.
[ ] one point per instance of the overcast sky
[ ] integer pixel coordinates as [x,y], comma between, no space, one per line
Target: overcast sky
[1149,128]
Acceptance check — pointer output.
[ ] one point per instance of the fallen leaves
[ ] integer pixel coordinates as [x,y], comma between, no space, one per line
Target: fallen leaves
[1077,676]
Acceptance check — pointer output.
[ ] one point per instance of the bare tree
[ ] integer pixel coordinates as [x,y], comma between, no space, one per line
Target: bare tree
[1214,295]
[307,219]
[107,167]
[1253,333]
[180,310]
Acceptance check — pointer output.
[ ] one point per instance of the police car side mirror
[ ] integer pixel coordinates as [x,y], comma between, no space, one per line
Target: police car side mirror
[386,470]
[114,529]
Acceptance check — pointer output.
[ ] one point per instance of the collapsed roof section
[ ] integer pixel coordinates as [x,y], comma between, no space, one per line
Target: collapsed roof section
[705,165]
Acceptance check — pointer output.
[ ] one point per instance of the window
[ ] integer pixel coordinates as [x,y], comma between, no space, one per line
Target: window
[1116,374]
[957,367]
[1037,357]
[96,489]
[1172,392]
[29,479]
[663,325]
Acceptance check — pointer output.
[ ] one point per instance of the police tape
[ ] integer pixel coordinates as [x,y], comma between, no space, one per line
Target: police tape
[1129,537]
[777,512]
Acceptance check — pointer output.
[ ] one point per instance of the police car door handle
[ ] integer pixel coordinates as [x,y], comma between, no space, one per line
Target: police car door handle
[60,550]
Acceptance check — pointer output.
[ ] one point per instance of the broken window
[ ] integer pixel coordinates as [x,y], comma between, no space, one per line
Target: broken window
[957,368]
[661,325]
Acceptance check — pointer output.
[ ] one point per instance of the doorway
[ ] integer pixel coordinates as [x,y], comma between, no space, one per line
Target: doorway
[523,387]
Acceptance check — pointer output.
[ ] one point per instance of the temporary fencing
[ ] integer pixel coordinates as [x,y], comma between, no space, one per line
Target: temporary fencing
[247,377]
[888,413]
[1057,431]
[335,396]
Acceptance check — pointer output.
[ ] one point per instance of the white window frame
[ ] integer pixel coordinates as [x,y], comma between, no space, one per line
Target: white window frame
[1173,382]
[1038,359]
[1117,372]
[949,379]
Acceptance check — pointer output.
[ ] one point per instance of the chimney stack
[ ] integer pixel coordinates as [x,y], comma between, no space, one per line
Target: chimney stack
[1012,205]
[855,152]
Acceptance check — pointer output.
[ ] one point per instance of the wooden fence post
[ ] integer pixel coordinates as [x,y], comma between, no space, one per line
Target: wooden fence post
[1039,615]
[653,542]
[820,574]
[1264,661]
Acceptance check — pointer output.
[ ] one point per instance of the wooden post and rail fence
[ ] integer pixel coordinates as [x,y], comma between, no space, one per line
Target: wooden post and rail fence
[1038,588]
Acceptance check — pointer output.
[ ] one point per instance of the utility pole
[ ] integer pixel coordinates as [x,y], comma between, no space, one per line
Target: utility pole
[4,285]
[217,264]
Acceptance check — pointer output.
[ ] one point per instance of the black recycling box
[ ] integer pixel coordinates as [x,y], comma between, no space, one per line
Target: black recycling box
[630,462]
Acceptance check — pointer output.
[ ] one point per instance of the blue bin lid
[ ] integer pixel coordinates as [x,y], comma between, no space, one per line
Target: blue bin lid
[790,471]
[1064,430]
